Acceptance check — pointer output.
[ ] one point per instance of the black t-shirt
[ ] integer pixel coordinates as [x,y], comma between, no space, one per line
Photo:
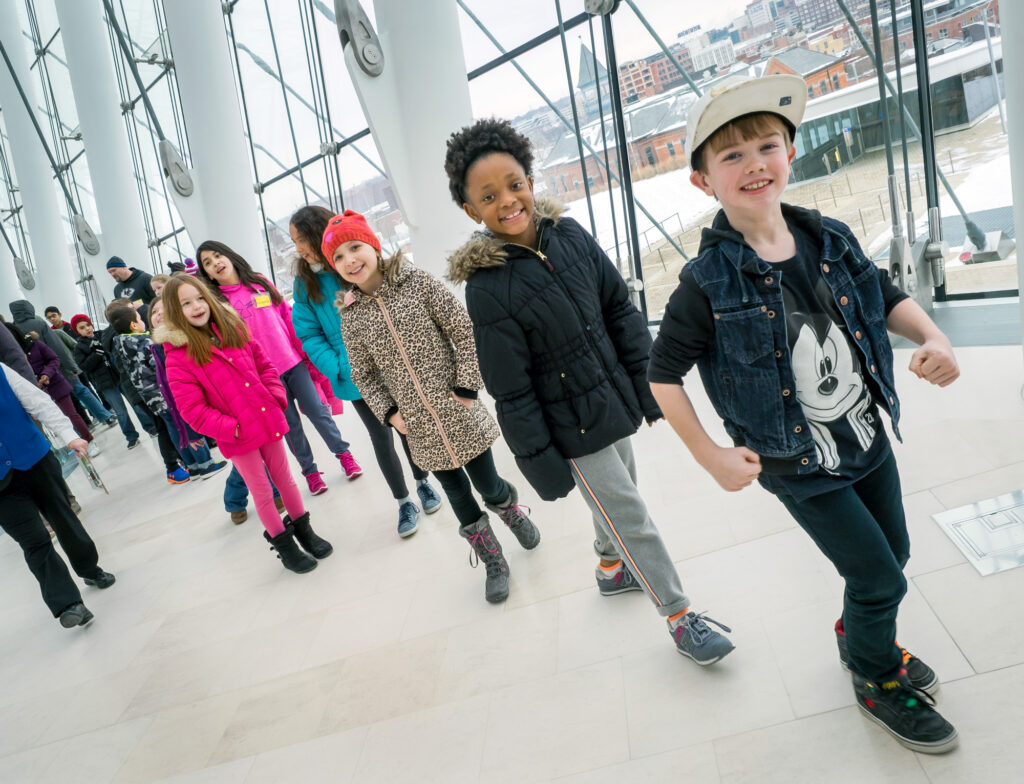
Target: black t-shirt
[831,385]
[836,396]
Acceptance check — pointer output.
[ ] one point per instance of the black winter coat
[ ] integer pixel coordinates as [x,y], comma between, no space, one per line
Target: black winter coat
[92,357]
[562,350]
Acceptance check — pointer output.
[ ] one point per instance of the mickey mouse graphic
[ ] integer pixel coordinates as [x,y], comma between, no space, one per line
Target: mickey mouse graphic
[829,384]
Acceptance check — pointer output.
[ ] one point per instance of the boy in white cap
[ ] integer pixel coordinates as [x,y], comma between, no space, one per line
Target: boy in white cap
[785,319]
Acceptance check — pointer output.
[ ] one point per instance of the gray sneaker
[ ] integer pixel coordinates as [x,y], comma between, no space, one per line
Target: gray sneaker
[487,549]
[622,581]
[696,639]
[514,516]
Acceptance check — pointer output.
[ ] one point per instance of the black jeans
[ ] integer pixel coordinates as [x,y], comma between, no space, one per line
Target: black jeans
[41,489]
[484,476]
[863,532]
[164,442]
[384,449]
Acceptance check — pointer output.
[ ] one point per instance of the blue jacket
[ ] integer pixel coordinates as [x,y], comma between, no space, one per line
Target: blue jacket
[318,326]
[747,369]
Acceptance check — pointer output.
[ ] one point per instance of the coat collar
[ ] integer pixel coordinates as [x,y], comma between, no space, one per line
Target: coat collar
[483,249]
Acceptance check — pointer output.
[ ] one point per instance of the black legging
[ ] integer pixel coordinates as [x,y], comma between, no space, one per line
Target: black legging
[384,449]
[168,451]
[484,476]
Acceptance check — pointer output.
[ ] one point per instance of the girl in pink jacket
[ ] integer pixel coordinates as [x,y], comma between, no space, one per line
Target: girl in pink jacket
[269,319]
[225,386]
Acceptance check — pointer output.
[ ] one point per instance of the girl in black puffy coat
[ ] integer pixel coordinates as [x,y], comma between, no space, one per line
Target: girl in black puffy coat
[563,352]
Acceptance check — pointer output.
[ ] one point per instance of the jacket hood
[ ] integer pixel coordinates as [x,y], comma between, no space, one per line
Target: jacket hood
[22,310]
[350,295]
[721,230]
[169,335]
[483,249]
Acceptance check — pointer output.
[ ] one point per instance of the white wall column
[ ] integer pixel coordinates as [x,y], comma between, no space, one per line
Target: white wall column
[421,97]
[209,103]
[1011,22]
[122,229]
[55,273]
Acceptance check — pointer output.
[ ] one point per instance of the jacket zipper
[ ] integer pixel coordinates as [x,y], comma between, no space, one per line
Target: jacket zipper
[579,316]
[416,381]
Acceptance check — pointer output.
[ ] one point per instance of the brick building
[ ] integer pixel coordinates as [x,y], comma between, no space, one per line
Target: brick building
[823,73]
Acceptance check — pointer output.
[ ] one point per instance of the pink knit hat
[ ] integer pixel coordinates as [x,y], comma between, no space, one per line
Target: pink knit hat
[344,228]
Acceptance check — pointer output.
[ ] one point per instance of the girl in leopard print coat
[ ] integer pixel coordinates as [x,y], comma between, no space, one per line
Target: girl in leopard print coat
[410,344]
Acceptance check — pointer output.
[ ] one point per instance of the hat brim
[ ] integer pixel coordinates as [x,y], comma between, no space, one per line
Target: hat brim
[781,94]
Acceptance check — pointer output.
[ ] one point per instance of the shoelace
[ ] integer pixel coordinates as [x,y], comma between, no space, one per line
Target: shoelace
[514,513]
[478,540]
[699,631]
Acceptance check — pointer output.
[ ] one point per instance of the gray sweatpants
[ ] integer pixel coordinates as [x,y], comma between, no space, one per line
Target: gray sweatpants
[623,528]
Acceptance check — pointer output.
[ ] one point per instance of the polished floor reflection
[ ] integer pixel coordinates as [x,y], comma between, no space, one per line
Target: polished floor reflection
[208,663]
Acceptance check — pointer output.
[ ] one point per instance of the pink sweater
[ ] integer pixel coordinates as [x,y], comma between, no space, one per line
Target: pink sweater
[270,325]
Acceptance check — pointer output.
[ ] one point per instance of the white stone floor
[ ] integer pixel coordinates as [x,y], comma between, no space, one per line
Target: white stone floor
[208,663]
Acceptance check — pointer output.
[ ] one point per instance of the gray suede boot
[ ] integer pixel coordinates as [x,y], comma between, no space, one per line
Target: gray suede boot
[515,517]
[487,549]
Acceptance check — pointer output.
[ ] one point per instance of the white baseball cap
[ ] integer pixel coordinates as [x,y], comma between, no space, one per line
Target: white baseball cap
[781,94]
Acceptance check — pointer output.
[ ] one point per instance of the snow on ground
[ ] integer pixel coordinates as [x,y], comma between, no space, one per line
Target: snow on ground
[670,198]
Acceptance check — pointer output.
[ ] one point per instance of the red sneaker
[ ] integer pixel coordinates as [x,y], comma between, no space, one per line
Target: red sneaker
[352,469]
[316,484]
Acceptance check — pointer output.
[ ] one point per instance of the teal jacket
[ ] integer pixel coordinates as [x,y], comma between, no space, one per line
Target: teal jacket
[318,326]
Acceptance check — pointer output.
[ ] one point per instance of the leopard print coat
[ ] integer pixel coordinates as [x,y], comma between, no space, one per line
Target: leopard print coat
[411,345]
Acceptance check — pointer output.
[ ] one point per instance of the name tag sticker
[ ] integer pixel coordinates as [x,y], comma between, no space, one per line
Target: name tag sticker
[262,300]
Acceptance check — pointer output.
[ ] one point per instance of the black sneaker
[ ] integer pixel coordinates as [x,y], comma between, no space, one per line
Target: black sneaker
[133,443]
[921,676]
[101,579]
[906,713]
[75,615]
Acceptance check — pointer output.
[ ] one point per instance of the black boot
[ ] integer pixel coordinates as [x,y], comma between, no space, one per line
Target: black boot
[488,550]
[291,556]
[315,545]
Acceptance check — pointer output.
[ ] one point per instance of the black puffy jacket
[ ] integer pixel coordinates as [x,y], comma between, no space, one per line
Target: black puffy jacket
[92,357]
[562,349]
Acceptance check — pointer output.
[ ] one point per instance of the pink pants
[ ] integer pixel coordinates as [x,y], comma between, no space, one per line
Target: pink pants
[275,458]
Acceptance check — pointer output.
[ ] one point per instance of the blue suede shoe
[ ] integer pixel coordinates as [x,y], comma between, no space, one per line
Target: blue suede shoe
[408,519]
[429,498]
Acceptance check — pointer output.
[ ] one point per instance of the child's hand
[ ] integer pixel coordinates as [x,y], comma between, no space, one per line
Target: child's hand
[199,442]
[78,446]
[733,467]
[44,380]
[934,362]
[464,400]
[398,423]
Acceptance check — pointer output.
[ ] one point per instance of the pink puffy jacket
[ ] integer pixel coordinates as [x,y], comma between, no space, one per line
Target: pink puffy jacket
[237,397]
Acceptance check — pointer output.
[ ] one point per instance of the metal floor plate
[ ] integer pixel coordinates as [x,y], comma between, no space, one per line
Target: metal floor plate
[989,533]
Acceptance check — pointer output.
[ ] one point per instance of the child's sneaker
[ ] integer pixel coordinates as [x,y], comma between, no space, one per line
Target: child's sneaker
[279,503]
[408,519]
[516,519]
[352,469]
[906,713]
[920,675]
[615,581]
[696,639]
[210,470]
[429,498]
[316,484]
[178,476]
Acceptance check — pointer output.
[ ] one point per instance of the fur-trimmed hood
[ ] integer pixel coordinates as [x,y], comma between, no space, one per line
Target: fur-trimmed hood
[170,335]
[483,249]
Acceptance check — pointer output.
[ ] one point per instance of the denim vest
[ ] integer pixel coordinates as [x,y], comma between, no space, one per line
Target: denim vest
[747,368]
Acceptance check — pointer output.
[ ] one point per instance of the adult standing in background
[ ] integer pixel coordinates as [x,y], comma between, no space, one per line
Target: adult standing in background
[134,284]
[30,484]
